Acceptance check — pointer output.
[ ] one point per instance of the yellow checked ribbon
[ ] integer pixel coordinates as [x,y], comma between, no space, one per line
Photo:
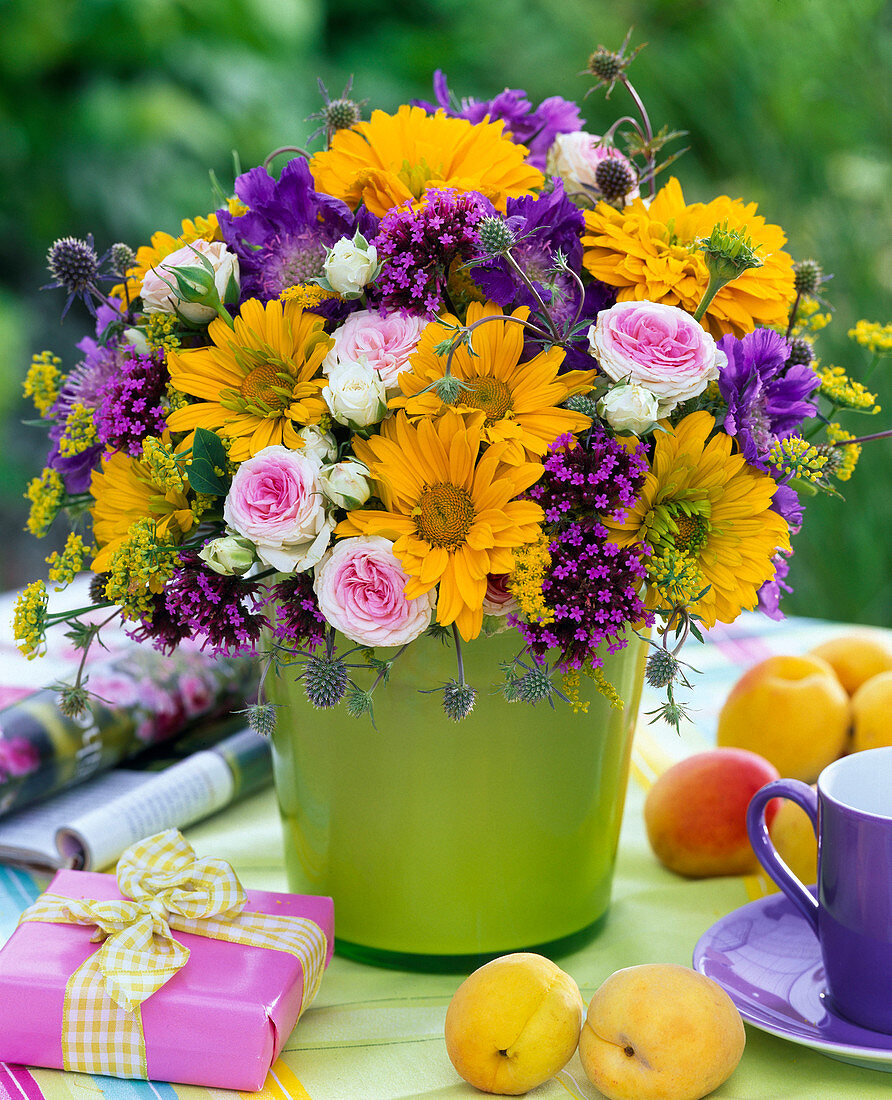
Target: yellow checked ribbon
[170,890]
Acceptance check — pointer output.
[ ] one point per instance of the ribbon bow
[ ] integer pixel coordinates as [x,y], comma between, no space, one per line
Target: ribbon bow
[166,888]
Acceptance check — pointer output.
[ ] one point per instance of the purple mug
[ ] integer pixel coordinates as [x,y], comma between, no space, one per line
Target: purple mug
[852,913]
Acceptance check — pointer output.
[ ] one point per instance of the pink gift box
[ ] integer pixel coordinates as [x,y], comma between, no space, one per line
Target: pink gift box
[220,1021]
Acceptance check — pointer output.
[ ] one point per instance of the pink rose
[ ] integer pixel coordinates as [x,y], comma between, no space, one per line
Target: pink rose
[276,501]
[383,341]
[17,757]
[499,599]
[575,158]
[656,346]
[360,588]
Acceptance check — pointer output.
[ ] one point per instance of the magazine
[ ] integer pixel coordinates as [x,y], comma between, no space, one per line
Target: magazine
[138,698]
[88,826]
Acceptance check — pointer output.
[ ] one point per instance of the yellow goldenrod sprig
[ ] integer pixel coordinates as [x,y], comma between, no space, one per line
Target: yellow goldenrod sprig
[162,462]
[43,380]
[525,583]
[29,620]
[80,433]
[138,569]
[65,567]
[47,495]
[873,336]
[841,460]
[798,457]
[837,387]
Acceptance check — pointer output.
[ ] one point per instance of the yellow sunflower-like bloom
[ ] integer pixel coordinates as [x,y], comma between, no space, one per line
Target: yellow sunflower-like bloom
[395,158]
[704,502]
[650,253]
[201,228]
[125,491]
[257,380]
[450,511]
[519,399]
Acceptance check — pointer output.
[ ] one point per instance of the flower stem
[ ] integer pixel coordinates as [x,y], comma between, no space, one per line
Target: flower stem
[285,149]
[458,656]
[863,438]
[648,130]
[531,286]
[714,285]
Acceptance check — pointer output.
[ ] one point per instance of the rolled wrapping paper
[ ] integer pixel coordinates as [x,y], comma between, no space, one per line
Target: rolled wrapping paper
[166,889]
[140,698]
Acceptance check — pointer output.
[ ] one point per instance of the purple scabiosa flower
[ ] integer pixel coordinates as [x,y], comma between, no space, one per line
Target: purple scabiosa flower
[536,129]
[84,386]
[771,592]
[281,240]
[225,611]
[542,226]
[786,503]
[131,405]
[297,620]
[592,586]
[767,398]
[418,246]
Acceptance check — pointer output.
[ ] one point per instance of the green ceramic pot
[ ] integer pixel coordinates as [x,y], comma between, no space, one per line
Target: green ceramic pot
[443,842]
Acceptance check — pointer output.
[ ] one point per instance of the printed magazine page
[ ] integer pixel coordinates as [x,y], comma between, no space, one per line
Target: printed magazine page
[88,826]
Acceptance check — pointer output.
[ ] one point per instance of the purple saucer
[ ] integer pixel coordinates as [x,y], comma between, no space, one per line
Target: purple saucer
[768,960]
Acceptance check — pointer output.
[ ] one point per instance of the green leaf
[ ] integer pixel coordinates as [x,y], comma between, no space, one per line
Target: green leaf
[204,478]
[208,445]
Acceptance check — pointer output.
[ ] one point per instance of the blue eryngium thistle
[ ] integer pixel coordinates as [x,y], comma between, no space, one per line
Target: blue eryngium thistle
[325,681]
[75,265]
[496,236]
[458,700]
[261,718]
[661,669]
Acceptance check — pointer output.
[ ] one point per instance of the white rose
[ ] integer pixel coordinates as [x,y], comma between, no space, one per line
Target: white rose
[319,445]
[276,501]
[218,281]
[356,395]
[350,265]
[229,556]
[346,483]
[630,408]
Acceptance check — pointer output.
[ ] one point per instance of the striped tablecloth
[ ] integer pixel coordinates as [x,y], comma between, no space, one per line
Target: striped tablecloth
[377,1034]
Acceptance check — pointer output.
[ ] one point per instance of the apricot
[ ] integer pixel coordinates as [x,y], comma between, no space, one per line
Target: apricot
[791,710]
[872,713]
[856,657]
[660,1031]
[695,813]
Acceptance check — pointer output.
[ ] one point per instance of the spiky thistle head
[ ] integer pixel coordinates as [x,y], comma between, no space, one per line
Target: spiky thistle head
[802,352]
[261,717]
[73,700]
[325,680]
[359,702]
[534,686]
[808,275]
[615,178]
[661,669]
[496,236]
[73,263]
[458,700]
[609,65]
[121,258]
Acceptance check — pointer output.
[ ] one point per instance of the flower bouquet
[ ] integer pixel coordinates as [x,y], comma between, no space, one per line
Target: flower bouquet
[466,372]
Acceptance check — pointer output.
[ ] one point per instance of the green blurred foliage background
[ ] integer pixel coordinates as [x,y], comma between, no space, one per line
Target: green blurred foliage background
[112,114]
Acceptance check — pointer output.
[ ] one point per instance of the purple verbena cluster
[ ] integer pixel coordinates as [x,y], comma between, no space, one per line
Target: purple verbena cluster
[298,621]
[592,585]
[131,404]
[197,602]
[587,477]
[417,246]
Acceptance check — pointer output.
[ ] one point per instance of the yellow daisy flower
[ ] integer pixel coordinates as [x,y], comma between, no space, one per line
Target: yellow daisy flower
[451,512]
[395,158]
[650,253]
[202,228]
[257,380]
[703,501]
[125,491]
[519,399]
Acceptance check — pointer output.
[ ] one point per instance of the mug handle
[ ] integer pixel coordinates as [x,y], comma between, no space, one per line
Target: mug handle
[766,853]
